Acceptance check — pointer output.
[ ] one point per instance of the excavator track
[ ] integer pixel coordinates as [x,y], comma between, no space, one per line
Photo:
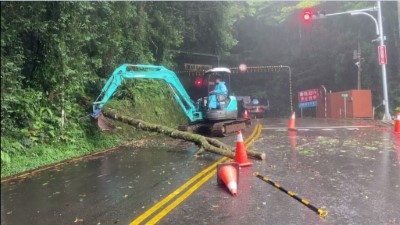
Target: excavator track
[220,129]
[225,128]
[199,128]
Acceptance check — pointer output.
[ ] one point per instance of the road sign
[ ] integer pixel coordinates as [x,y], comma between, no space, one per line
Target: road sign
[345,95]
[197,67]
[382,55]
[308,95]
[307,104]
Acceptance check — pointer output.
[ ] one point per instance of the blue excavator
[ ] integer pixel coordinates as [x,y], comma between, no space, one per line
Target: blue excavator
[218,121]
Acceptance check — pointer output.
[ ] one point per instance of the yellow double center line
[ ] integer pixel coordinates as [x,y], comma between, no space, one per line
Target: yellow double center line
[254,135]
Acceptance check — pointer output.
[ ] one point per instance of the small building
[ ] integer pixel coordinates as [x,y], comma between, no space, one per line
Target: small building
[346,104]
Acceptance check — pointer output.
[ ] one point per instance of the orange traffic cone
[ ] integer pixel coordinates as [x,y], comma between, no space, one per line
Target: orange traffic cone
[228,174]
[292,122]
[241,154]
[397,124]
[245,115]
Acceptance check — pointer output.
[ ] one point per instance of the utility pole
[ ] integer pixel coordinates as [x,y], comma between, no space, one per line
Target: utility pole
[398,14]
[387,116]
[325,108]
[359,67]
[290,86]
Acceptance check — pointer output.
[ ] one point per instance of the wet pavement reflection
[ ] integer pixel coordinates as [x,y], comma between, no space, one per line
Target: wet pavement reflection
[354,173]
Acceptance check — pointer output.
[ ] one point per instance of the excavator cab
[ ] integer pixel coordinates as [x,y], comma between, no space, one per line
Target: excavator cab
[221,98]
[220,105]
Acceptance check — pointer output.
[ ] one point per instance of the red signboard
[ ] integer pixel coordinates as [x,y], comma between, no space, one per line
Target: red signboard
[382,54]
[308,95]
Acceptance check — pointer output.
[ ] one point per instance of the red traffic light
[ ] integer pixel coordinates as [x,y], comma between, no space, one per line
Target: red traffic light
[307,15]
[199,82]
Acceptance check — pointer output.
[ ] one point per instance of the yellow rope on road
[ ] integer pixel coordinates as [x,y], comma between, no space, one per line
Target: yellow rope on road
[322,213]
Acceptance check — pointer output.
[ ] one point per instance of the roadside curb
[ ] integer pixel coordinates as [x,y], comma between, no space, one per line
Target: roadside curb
[90,156]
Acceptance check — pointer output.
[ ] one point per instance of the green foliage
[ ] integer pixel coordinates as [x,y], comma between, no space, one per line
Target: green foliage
[210,26]
[274,12]
[5,158]
[55,55]
[149,100]
[9,148]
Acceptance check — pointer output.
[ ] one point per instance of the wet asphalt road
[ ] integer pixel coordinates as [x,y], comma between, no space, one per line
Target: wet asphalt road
[353,172]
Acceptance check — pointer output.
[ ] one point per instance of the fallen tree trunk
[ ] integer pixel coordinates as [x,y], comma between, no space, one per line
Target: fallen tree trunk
[208,144]
[250,153]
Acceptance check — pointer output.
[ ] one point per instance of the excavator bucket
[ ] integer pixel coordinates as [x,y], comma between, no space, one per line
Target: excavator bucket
[104,124]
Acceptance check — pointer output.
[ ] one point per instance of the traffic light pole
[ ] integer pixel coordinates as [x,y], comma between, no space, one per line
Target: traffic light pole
[387,116]
[290,86]
[359,67]
[379,31]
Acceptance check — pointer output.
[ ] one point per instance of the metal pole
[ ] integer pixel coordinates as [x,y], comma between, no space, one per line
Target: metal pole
[326,108]
[379,31]
[359,67]
[345,110]
[290,87]
[323,86]
[347,12]
[373,113]
[387,116]
[398,15]
[370,16]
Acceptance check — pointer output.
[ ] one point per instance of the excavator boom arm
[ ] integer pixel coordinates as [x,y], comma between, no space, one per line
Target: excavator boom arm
[129,71]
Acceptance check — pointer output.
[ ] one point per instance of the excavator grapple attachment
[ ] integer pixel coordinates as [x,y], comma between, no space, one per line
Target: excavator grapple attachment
[104,124]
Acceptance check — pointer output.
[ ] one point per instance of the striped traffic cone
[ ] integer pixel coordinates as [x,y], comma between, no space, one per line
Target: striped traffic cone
[245,115]
[228,174]
[241,154]
[292,122]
